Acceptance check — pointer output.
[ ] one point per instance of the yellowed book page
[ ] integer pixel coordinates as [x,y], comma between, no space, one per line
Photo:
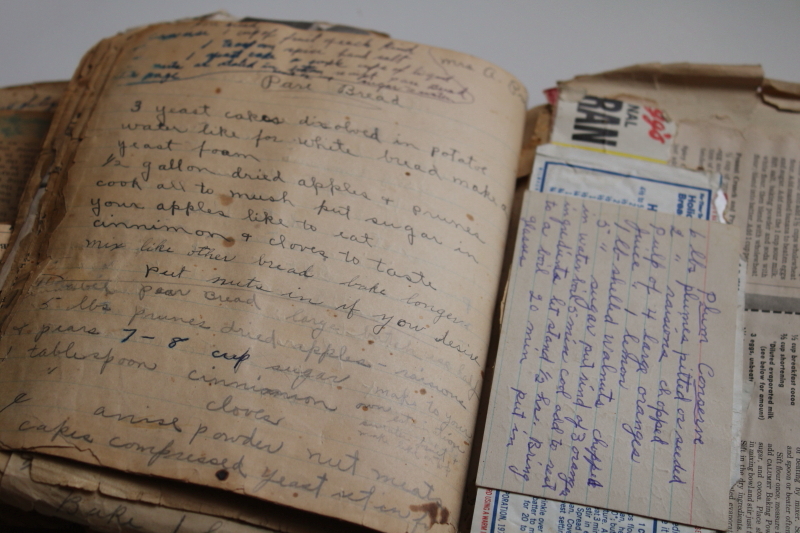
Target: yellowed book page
[34,97]
[276,269]
[174,495]
[767,497]
[25,114]
[103,513]
[21,136]
[5,235]
[614,386]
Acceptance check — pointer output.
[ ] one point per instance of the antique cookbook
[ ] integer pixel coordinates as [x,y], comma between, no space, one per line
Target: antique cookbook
[264,261]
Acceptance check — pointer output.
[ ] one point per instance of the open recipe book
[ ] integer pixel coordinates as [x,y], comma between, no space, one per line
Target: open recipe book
[264,260]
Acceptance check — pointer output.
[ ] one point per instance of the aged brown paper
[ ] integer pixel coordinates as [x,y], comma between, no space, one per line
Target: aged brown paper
[21,136]
[275,270]
[730,120]
[25,114]
[173,495]
[614,386]
[37,97]
[103,513]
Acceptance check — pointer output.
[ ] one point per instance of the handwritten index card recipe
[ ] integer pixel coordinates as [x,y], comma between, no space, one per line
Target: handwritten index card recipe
[613,385]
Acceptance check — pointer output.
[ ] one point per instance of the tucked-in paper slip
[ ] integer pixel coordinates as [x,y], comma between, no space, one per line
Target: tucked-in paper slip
[498,511]
[626,181]
[612,126]
[614,384]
